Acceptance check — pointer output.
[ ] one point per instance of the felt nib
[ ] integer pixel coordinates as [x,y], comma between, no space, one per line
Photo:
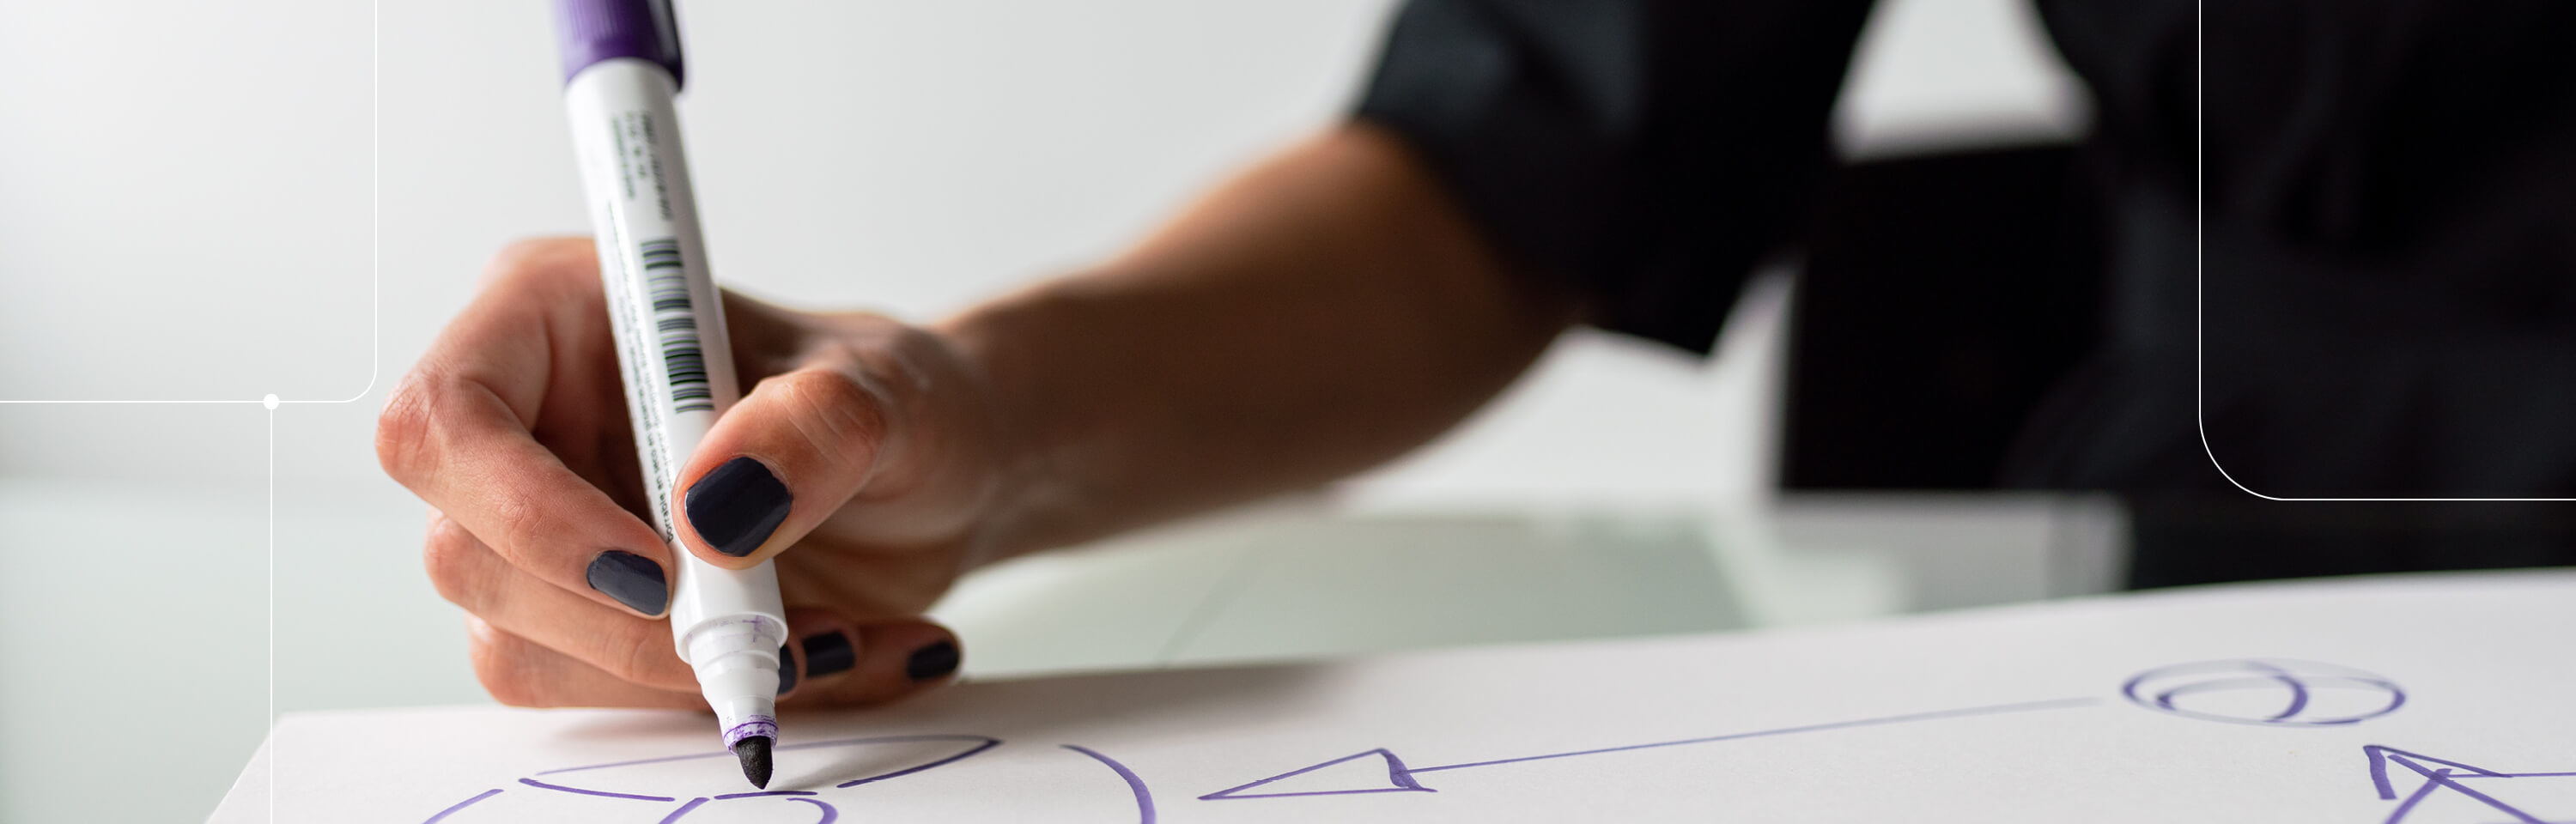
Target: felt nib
[754,752]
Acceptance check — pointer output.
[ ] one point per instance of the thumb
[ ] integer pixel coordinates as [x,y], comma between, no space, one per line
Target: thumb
[786,457]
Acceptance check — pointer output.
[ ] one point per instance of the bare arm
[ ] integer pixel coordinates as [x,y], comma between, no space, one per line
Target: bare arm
[1323,312]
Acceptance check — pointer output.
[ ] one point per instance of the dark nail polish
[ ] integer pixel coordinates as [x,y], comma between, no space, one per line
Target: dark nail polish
[829,653]
[934,661]
[736,506]
[786,670]
[631,579]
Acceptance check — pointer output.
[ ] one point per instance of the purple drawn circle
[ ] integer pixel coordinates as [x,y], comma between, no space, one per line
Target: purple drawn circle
[977,744]
[2297,683]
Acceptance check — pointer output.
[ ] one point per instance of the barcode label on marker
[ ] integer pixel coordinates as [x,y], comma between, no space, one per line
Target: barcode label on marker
[666,280]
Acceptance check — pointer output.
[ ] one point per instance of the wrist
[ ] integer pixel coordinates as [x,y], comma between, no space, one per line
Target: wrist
[1030,502]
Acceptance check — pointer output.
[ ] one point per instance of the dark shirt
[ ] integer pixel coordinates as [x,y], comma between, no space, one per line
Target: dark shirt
[2386,194]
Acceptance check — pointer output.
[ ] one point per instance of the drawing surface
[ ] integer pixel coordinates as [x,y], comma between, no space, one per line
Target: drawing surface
[2404,700]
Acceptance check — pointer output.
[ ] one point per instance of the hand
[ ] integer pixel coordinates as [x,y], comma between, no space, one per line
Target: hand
[862,458]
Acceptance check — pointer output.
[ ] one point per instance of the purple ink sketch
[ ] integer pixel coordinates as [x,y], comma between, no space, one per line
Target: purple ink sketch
[1388,774]
[2269,691]
[2443,792]
[926,752]
[1135,785]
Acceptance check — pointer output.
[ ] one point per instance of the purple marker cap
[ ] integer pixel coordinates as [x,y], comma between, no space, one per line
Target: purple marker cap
[596,30]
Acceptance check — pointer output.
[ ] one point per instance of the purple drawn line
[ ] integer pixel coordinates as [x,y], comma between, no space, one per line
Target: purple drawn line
[732,796]
[1224,795]
[2399,814]
[2298,694]
[984,742]
[989,743]
[883,739]
[684,809]
[2443,777]
[2448,778]
[1997,709]
[2250,673]
[462,805]
[2396,698]
[829,814]
[2298,689]
[1400,779]
[602,793]
[1402,775]
[2380,756]
[2271,674]
[1144,797]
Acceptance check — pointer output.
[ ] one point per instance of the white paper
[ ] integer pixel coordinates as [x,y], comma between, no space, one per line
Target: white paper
[2413,700]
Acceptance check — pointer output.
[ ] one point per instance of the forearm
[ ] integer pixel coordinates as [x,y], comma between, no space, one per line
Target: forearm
[1322,313]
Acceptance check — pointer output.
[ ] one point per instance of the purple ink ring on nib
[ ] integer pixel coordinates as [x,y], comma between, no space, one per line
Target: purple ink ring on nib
[759,725]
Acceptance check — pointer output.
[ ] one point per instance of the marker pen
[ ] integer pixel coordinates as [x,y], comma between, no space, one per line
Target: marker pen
[621,69]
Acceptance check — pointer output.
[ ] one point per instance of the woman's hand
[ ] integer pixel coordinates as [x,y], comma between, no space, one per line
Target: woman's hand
[863,458]
[1328,309]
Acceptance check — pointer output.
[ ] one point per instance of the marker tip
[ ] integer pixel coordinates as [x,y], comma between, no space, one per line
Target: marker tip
[754,752]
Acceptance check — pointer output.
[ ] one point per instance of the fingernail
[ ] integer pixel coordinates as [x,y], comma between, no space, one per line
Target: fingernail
[829,653]
[631,579]
[736,506]
[786,670]
[934,661]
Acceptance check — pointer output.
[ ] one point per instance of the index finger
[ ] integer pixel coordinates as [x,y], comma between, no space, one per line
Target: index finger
[457,432]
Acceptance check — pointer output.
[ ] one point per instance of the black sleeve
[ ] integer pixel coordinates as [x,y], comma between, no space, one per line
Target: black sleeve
[1648,152]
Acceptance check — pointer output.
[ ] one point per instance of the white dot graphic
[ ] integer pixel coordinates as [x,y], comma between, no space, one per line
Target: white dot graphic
[268,400]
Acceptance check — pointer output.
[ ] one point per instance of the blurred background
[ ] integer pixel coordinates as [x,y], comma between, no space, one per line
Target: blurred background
[218,202]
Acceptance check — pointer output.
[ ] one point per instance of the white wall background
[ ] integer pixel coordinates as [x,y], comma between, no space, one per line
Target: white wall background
[219,201]
[198,211]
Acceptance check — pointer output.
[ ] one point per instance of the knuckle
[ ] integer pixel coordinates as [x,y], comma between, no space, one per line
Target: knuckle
[834,411]
[424,419]
[520,250]
[404,430]
[535,255]
[542,262]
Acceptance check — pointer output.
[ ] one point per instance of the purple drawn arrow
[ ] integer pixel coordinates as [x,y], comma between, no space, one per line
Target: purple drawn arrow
[1401,778]
[2445,777]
